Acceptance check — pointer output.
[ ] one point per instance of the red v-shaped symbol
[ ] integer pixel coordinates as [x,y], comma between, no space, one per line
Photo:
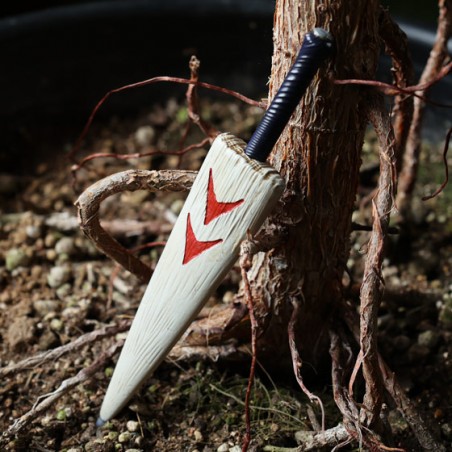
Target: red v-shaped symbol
[193,247]
[215,208]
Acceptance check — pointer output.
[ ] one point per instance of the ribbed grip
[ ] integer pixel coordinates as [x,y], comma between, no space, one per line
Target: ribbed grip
[317,45]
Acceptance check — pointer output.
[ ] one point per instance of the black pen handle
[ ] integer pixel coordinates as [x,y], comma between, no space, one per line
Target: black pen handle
[316,47]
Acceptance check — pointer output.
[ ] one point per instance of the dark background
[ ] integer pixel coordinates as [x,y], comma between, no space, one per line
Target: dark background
[58,58]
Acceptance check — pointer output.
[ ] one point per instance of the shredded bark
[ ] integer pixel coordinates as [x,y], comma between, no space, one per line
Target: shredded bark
[371,289]
[245,265]
[396,46]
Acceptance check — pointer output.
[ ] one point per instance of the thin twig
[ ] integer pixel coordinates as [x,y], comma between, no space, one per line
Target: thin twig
[51,355]
[77,166]
[150,81]
[65,386]
[193,104]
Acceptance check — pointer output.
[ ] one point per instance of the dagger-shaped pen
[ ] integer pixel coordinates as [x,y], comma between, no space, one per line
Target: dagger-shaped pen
[233,193]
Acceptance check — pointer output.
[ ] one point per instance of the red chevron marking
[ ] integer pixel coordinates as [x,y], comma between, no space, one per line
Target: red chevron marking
[193,247]
[215,208]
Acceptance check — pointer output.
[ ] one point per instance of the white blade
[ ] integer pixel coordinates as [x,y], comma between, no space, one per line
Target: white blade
[231,194]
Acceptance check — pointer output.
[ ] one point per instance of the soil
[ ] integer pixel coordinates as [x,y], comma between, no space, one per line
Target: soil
[55,287]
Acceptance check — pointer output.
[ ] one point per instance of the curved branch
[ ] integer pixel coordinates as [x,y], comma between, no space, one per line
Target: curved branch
[89,202]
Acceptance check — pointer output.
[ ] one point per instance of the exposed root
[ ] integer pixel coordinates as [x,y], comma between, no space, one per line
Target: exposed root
[88,205]
[437,64]
[408,410]
[297,362]
[393,90]
[371,289]
[193,104]
[352,413]
[245,265]
[417,424]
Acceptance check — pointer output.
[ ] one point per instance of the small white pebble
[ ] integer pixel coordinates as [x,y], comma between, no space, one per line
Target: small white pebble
[235,449]
[223,448]
[228,297]
[198,436]
[124,437]
[56,324]
[145,135]
[65,245]
[133,426]
[33,231]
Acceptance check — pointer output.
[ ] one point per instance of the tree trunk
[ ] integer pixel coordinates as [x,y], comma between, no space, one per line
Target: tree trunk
[319,157]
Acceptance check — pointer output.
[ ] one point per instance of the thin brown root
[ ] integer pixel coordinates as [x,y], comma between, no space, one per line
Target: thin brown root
[297,362]
[357,366]
[115,271]
[192,101]
[76,167]
[392,90]
[150,81]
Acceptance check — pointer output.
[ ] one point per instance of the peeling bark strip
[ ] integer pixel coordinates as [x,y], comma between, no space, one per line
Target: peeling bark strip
[371,288]
[318,155]
[89,202]
[396,46]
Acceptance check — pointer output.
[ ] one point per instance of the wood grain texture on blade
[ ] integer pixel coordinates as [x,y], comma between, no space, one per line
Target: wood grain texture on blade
[231,194]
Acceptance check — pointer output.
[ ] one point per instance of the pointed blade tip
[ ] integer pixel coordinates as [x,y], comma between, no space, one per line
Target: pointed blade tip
[100,422]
